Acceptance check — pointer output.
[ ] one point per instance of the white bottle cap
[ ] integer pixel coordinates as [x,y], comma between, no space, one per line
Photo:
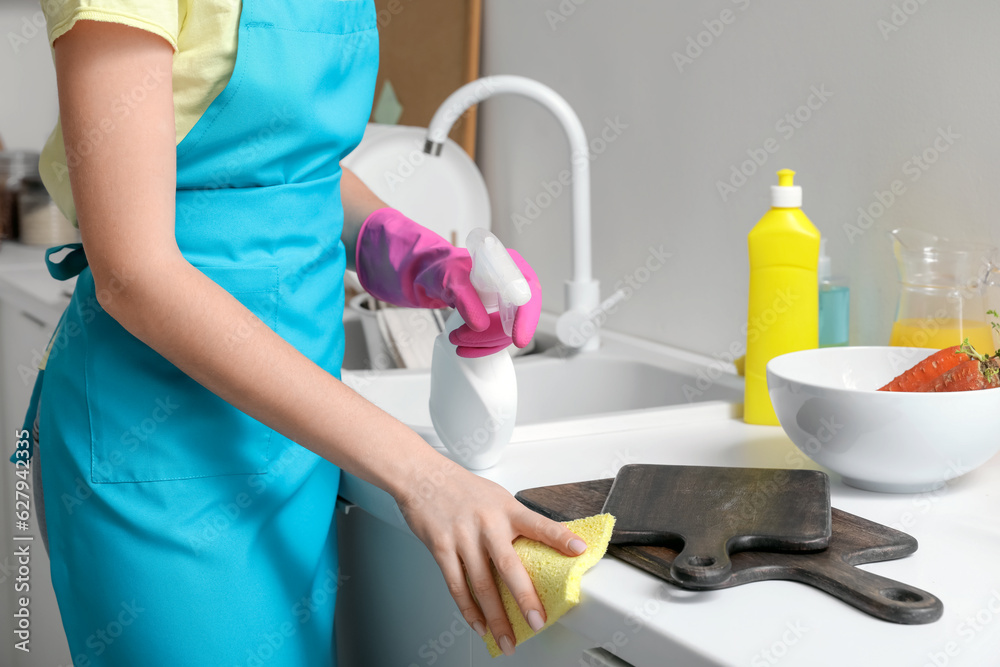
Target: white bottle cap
[784,194]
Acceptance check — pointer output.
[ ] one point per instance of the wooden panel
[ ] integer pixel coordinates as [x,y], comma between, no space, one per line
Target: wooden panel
[429,48]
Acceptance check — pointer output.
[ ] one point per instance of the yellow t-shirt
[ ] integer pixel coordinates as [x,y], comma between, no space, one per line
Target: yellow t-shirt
[203,34]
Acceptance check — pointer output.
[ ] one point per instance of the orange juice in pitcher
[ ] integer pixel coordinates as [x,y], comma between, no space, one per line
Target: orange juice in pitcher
[943,333]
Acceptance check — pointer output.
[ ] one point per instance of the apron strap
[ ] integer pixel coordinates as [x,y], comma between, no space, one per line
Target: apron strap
[69,266]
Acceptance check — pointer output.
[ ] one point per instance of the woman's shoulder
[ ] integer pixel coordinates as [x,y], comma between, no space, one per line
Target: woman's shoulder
[160,17]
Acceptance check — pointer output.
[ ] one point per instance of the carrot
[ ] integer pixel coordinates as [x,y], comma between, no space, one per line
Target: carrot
[920,376]
[968,376]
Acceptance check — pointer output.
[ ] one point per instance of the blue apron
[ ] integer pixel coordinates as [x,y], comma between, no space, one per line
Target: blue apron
[181,530]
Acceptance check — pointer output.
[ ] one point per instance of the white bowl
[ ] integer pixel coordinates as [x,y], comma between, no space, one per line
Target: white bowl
[896,442]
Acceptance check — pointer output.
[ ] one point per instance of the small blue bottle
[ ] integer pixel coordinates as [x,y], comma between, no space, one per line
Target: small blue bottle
[834,304]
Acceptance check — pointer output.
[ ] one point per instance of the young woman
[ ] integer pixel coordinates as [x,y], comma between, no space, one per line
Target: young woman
[191,424]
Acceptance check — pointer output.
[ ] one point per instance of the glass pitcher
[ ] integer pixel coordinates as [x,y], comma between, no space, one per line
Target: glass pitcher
[945,292]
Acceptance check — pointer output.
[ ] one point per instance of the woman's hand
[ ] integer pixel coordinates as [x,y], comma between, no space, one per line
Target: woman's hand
[405,264]
[474,343]
[467,522]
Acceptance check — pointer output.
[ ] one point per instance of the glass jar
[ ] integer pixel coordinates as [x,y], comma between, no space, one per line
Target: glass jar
[40,220]
[14,167]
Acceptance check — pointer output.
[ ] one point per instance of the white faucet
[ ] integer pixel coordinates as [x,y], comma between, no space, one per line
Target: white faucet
[577,327]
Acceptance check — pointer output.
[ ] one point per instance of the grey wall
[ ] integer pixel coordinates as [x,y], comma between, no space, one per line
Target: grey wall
[28,106]
[683,131]
[892,91]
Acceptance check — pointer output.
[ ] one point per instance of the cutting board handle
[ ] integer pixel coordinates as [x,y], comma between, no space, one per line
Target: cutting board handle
[873,594]
[702,562]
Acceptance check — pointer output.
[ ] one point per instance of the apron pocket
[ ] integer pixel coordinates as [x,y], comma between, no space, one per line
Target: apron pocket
[150,421]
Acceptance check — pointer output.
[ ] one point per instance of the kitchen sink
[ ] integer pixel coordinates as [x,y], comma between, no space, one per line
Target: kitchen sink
[627,384]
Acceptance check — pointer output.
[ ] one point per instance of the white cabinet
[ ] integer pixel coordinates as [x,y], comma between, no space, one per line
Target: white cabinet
[23,338]
[393,608]
[30,303]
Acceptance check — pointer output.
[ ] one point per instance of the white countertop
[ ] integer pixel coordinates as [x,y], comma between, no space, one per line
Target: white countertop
[647,622]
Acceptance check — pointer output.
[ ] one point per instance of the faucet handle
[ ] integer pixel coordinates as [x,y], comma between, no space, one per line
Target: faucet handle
[577,329]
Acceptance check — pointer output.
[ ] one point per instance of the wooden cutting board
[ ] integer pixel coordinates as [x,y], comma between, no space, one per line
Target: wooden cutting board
[712,512]
[853,541]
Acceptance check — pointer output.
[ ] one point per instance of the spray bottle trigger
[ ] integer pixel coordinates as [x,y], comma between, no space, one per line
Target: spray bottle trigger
[500,284]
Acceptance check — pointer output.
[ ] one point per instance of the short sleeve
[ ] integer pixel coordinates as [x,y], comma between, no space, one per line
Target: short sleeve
[160,17]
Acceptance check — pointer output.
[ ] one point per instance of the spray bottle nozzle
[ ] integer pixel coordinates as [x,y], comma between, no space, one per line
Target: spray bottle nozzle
[499,282]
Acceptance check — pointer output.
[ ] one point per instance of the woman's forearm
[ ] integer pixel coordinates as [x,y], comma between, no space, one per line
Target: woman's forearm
[212,337]
[359,203]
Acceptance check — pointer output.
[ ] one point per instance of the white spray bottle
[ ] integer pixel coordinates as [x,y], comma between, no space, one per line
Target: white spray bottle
[473,402]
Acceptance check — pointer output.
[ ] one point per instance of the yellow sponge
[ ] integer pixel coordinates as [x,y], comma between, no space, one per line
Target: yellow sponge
[556,577]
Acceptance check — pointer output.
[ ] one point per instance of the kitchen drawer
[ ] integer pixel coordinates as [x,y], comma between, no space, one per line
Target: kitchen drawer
[23,338]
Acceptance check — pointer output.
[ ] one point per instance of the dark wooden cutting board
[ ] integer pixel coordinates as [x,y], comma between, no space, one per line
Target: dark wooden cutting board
[853,541]
[712,512]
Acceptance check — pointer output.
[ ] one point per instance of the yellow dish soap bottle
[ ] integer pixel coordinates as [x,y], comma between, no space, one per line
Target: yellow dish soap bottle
[784,302]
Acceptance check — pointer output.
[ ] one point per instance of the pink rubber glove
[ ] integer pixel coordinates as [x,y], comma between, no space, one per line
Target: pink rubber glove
[404,264]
